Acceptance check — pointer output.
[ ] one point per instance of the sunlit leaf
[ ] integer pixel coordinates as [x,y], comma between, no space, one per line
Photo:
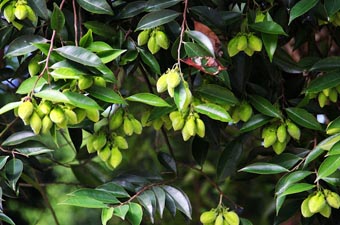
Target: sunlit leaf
[155,19]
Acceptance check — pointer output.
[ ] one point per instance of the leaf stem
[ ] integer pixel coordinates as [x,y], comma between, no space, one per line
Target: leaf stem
[184,22]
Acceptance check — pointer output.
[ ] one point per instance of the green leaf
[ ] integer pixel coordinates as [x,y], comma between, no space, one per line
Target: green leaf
[33,148]
[255,122]
[315,153]
[264,106]
[3,160]
[150,61]
[100,29]
[23,45]
[301,8]
[181,200]
[333,179]
[97,7]
[13,170]
[297,188]
[110,55]
[335,150]
[106,94]
[332,6]
[160,197]
[52,95]
[132,9]
[245,221]
[327,64]
[40,8]
[9,106]
[107,214]
[334,126]
[303,118]
[167,161]
[97,194]
[270,44]
[121,211]
[148,200]
[115,189]
[325,81]
[5,218]
[155,19]
[170,204]
[81,101]
[86,40]
[83,201]
[202,39]
[31,83]
[57,18]
[283,60]
[193,50]
[44,48]
[79,55]
[182,96]
[213,111]
[268,27]
[156,5]
[217,94]
[289,179]
[328,143]
[328,166]
[287,160]
[279,202]
[135,213]
[19,137]
[66,151]
[149,99]
[66,73]
[264,168]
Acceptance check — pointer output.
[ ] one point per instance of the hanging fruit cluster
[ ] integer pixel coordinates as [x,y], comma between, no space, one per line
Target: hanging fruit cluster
[169,81]
[219,216]
[278,135]
[326,96]
[18,10]
[246,42]
[242,112]
[155,39]
[320,202]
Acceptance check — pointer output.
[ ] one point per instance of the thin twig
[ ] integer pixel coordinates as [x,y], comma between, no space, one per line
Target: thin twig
[13,152]
[8,126]
[184,22]
[75,22]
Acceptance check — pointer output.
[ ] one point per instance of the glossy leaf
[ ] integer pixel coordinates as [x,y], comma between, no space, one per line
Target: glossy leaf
[106,94]
[154,5]
[3,160]
[328,143]
[335,150]
[325,81]
[283,60]
[333,179]
[264,168]
[57,18]
[279,202]
[264,106]
[135,213]
[107,214]
[81,101]
[79,55]
[100,29]
[202,39]
[181,200]
[270,44]
[52,95]
[115,189]
[19,137]
[66,73]
[110,55]
[213,111]
[150,61]
[245,221]
[85,202]
[301,8]
[149,99]
[181,96]
[334,126]
[9,106]
[332,6]
[40,8]
[132,9]
[99,195]
[268,27]
[23,45]
[4,217]
[303,118]
[256,121]
[155,19]
[297,188]
[289,179]
[160,199]
[13,170]
[33,148]
[328,166]
[315,153]
[167,161]
[217,94]
[170,204]
[287,160]
[98,6]
[193,50]
[121,211]
[29,84]
[327,64]
[86,40]
[148,200]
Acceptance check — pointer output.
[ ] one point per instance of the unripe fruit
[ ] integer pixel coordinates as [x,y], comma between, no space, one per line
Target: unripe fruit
[322,99]
[232,47]
[46,124]
[152,45]
[236,115]
[269,136]
[232,218]
[20,12]
[259,17]
[45,107]
[326,211]
[89,144]
[293,130]
[57,115]
[92,114]
[137,126]
[254,43]
[200,127]
[337,88]
[120,142]
[115,158]
[191,125]
[333,199]
[333,95]
[128,126]
[279,147]
[166,122]
[31,14]
[245,111]
[9,13]
[116,119]
[34,67]
[162,40]
[25,110]
[185,133]
[81,114]
[162,84]
[208,217]
[99,81]
[104,153]
[99,141]
[177,120]
[305,208]
[219,220]
[326,91]
[173,79]
[35,123]
[171,91]
[281,133]
[242,43]
[249,51]
[85,82]
[316,202]
[71,116]
[157,124]
[143,37]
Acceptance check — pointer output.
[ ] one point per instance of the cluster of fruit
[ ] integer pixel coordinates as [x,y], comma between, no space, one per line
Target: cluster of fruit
[157,123]
[327,95]
[169,81]
[154,38]
[126,121]
[247,42]
[242,112]
[219,216]
[41,117]
[18,10]
[320,202]
[278,135]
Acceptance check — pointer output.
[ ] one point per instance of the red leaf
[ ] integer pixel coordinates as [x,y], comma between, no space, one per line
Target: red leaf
[206,64]
[210,34]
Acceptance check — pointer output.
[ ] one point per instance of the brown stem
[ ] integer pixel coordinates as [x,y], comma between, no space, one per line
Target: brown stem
[184,22]
[12,152]
[75,22]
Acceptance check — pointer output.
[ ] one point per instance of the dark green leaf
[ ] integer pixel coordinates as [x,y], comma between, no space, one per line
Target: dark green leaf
[270,44]
[268,27]
[150,61]
[83,201]
[315,153]
[264,168]
[106,94]
[29,84]
[135,213]
[328,166]
[9,106]
[40,8]
[182,96]
[13,170]
[97,194]
[5,218]
[303,118]
[285,62]
[332,6]
[19,137]
[290,178]
[213,111]
[255,122]
[79,55]
[160,197]
[181,200]
[199,149]
[203,40]
[23,45]
[301,8]
[100,29]
[193,50]
[98,6]
[297,188]
[115,189]
[155,19]
[132,9]
[327,64]
[156,5]
[33,148]
[264,106]
[167,161]
[149,99]
[57,19]
[148,200]
[279,202]
[217,94]
[121,211]
[287,160]
[325,81]
[170,204]
[245,221]
[3,160]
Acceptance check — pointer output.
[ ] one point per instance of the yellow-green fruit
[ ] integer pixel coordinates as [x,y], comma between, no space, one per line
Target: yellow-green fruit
[242,43]
[157,124]
[326,91]
[225,222]
[57,115]
[282,133]
[322,99]
[219,220]
[185,133]
[143,37]
[337,88]
[293,130]
[162,40]
[45,107]
[188,97]
[85,82]
[166,122]
[208,217]
[116,119]
[104,153]
[191,125]
[99,141]
[235,115]
[35,123]
[249,51]
[254,43]
[231,217]
[92,114]
[317,202]
[115,158]
[25,110]
[232,47]
[20,12]
[89,144]
[46,124]
[31,14]
[333,95]
[200,128]
[326,211]
[245,111]
[128,126]
[279,147]
[71,116]
[33,66]
[162,84]
[173,79]
[333,199]
[145,119]
[269,136]
[305,208]
[99,81]
[137,126]
[152,45]
[177,120]
[9,13]
[81,114]
[120,142]
[259,17]
[171,91]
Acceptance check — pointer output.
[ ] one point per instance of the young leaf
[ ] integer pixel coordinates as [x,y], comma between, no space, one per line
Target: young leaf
[213,111]
[328,143]
[335,150]
[57,18]
[98,6]
[86,40]
[107,214]
[301,8]
[264,168]
[29,84]
[328,166]
[135,213]
[264,106]
[121,211]
[155,19]
[9,106]
[149,99]
[334,126]
[303,118]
